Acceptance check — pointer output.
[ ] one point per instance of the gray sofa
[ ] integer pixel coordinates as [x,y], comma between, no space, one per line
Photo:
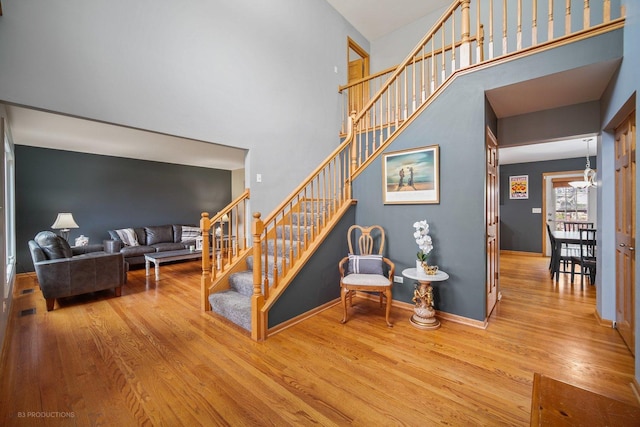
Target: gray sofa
[159,238]
[63,271]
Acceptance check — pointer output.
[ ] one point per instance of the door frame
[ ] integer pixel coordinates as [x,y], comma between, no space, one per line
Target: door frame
[358,50]
[546,182]
[492,285]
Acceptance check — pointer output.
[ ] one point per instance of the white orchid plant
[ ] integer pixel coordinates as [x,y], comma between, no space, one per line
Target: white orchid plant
[423,239]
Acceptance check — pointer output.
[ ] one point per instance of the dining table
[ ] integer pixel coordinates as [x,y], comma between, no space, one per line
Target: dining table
[564,238]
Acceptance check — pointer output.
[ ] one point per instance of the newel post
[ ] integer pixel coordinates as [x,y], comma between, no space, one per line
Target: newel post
[465,33]
[205,281]
[258,321]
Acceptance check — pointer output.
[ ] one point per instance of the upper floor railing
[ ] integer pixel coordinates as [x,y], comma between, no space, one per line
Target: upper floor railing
[470,32]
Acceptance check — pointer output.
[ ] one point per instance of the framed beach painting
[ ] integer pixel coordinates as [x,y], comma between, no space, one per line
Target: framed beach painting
[411,176]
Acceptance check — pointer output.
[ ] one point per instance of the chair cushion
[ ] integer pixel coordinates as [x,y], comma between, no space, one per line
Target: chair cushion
[365,264]
[130,251]
[365,280]
[159,234]
[53,246]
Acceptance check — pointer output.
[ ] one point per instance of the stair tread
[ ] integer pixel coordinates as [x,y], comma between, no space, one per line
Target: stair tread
[232,305]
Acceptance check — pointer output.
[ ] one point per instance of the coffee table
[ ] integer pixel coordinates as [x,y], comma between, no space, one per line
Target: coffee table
[159,257]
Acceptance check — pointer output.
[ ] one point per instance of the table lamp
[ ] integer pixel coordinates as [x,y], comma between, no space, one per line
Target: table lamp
[64,222]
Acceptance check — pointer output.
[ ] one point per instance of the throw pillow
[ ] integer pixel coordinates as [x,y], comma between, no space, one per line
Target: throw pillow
[365,264]
[53,246]
[190,233]
[128,236]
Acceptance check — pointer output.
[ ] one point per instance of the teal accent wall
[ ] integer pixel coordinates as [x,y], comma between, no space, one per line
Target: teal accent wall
[520,229]
[456,122]
[105,193]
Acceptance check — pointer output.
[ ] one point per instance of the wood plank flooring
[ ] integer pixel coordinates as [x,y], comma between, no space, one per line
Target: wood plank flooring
[151,357]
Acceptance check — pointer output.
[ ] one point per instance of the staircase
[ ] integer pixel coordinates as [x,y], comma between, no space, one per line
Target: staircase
[235,303]
[237,286]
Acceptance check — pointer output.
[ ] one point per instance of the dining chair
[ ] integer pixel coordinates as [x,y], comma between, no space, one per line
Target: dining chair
[561,256]
[576,225]
[365,269]
[587,258]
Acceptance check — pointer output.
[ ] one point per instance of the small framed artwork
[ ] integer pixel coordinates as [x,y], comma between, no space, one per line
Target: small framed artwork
[411,176]
[519,187]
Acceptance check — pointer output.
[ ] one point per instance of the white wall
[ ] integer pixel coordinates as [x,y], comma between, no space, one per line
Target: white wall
[392,49]
[243,73]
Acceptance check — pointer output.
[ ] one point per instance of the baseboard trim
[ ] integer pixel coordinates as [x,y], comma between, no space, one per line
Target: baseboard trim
[442,315]
[521,253]
[602,322]
[293,321]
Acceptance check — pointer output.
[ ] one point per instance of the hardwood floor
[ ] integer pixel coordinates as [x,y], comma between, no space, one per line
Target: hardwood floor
[151,357]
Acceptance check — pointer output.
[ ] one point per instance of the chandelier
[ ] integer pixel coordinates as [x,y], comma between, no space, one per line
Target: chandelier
[589,178]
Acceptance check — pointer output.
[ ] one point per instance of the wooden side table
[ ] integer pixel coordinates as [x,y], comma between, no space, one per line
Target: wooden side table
[424,316]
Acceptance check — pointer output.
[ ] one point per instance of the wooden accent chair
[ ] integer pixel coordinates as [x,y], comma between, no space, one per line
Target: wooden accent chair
[366,269]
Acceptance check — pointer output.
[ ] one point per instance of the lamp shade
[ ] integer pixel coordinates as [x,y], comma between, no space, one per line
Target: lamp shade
[64,221]
[225,218]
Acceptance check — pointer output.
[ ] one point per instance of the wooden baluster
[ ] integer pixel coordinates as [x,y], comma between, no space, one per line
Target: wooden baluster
[423,77]
[504,27]
[433,64]
[388,92]
[567,18]
[258,321]
[479,35]
[465,35]
[413,101]
[366,134]
[405,97]
[606,11]
[205,280]
[397,101]
[490,29]
[444,71]
[453,43]
[519,27]
[534,24]
[587,15]
[381,103]
[481,43]
[550,27]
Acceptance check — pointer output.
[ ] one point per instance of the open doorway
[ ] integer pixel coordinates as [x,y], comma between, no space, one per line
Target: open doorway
[564,203]
[358,68]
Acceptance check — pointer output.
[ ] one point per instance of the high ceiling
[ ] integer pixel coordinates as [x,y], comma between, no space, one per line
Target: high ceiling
[373,20]
[379,18]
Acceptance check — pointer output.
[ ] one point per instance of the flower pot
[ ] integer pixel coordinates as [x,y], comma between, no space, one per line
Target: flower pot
[420,269]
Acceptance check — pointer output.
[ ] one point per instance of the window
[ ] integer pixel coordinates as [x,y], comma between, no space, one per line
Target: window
[571,204]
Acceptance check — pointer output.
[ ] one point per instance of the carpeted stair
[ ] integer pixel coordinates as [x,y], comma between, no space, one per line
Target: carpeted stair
[235,303]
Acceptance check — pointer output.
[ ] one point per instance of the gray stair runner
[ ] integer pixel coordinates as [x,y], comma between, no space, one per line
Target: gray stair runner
[235,303]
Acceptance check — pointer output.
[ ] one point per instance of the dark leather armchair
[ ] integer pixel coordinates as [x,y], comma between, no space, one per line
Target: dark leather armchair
[61,273]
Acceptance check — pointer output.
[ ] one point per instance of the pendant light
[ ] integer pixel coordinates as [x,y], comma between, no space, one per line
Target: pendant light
[589,178]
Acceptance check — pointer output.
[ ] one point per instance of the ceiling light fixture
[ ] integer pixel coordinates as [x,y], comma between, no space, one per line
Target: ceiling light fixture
[589,178]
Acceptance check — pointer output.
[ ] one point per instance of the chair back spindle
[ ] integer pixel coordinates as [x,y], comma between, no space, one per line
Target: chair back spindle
[366,241]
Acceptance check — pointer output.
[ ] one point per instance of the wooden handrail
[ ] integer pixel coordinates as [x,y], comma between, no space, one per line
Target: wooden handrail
[390,104]
[297,226]
[228,246]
